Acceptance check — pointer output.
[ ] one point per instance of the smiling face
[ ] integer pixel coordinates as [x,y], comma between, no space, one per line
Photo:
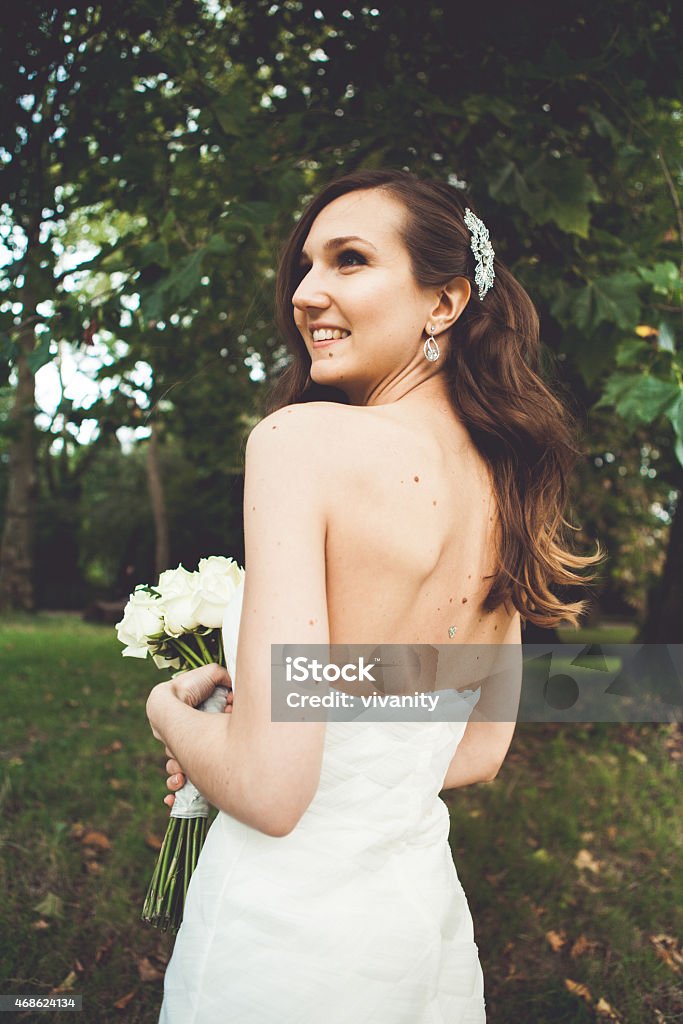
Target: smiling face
[358,307]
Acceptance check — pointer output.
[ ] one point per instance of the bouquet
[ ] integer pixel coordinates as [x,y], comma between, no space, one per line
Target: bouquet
[179,623]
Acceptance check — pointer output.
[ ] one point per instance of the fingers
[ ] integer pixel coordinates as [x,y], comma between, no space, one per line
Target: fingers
[175,782]
[172,766]
[169,800]
[195,686]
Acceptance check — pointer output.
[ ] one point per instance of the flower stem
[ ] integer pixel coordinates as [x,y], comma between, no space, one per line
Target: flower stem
[186,651]
[203,648]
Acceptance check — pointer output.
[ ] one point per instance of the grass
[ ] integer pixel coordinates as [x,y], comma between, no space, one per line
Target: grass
[576,844]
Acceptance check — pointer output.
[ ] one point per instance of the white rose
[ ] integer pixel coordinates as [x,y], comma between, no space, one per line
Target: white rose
[218,565]
[141,619]
[218,580]
[177,588]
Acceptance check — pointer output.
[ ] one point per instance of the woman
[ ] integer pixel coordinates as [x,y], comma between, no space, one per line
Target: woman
[408,487]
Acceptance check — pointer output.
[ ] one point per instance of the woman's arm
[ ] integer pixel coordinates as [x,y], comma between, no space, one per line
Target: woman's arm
[480,753]
[262,772]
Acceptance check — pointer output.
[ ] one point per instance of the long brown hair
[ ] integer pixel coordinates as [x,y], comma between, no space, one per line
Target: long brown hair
[522,429]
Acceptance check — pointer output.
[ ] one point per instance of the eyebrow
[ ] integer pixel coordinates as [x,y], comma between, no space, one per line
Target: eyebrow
[337,243]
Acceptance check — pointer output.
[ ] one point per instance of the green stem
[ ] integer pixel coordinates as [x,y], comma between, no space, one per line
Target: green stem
[188,868]
[190,656]
[203,648]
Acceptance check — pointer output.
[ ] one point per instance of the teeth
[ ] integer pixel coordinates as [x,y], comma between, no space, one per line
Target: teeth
[329,334]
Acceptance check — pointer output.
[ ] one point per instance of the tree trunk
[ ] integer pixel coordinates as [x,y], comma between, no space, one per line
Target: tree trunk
[664,620]
[158,502]
[16,548]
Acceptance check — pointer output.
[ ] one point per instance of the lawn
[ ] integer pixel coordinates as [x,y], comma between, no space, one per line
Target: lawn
[571,858]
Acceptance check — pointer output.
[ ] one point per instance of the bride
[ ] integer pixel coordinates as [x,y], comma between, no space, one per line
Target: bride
[408,486]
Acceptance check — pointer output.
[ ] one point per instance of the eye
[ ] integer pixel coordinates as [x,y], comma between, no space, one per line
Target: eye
[351,258]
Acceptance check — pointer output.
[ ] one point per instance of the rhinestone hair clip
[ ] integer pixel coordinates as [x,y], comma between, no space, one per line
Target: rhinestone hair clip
[483,252]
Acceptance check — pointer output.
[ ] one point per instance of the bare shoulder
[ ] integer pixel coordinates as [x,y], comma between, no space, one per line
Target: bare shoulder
[316,435]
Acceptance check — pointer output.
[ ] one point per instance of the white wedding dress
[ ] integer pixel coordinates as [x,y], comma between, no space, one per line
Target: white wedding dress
[356,917]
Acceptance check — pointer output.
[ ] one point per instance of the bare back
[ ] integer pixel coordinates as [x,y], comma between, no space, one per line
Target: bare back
[411,539]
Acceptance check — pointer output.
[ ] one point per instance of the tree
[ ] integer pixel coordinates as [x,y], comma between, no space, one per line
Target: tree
[563,125]
[54,61]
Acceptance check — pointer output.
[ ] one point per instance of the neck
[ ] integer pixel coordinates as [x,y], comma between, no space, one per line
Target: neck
[408,389]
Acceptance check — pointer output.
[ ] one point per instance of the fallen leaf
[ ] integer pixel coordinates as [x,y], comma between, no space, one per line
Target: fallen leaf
[96,839]
[113,748]
[104,950]
[93,867]
[578,989]
[556,939]
[666,948]
[77,830]
[611,832]
[584,860]
[51,906]
[153,841]
[639,756]
[603,1008]
[116,784]
[122,1003]
[494,880]
[147,970]
[67,984]
[40,925]
[581,946]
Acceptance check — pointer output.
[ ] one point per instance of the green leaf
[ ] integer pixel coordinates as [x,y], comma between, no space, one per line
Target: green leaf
[608,299]
[675,414]
[664,277]
[603,126]
[41,353]
[8,349]
[631,351]
[638,398]
[665,339]
[561,189]
[509,186]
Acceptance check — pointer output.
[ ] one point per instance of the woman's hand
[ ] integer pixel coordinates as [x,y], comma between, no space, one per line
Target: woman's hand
[176,776]
[190,688]
[195,686]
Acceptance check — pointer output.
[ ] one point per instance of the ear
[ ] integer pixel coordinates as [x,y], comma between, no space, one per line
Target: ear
[451,301]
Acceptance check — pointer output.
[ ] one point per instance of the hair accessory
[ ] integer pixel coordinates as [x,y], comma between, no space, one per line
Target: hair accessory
[483,252]
[431,349]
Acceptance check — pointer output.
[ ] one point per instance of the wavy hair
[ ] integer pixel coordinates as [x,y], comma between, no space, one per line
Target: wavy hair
[522,429]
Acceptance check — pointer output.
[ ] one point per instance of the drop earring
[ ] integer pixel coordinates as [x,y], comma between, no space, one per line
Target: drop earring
[431,349]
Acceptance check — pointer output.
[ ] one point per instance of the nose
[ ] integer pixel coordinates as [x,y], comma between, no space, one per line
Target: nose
[310,293]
